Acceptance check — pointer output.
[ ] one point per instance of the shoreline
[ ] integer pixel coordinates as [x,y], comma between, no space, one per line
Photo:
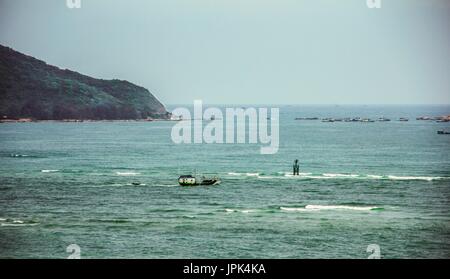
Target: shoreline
[26,120]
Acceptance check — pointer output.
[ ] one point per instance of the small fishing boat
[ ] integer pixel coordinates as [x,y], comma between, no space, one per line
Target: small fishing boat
[442,132]
[189,180]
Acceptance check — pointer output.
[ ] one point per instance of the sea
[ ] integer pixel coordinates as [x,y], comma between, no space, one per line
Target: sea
[110,189]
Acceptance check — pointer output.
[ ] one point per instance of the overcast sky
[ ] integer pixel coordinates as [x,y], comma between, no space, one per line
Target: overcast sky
[246,51]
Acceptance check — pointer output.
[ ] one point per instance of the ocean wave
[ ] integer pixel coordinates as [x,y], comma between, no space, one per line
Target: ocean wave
[19,155]
[301,174]
[308,175]
[267,177]
[7,222]
[293,209]
[136,184]
[347,207]
[49,171]
[426,178]
[239,210]
[330,207]
[128,173]
[340,175]
[255,174]
[188,217]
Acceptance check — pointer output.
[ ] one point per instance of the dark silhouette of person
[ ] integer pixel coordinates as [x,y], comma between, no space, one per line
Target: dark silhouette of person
[296,168]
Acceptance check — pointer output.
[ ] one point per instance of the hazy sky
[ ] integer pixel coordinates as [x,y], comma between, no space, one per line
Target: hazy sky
[246,51]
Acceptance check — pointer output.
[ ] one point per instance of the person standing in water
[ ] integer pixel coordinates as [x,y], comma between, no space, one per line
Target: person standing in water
[296,168]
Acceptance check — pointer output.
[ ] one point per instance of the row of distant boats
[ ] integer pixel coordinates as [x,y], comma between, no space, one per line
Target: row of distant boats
[437,118]
[381,119]
[356,119]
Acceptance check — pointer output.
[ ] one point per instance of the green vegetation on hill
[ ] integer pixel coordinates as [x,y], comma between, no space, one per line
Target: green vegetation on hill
[29,88]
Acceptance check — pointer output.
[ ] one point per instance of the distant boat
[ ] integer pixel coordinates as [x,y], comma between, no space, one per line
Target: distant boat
[383,119]
[442,132]
[307,118]
[403,119]
[189,180]
[423,118]
[327,120]
[367,120]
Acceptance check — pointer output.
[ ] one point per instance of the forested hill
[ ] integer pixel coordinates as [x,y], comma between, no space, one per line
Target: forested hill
[29,88]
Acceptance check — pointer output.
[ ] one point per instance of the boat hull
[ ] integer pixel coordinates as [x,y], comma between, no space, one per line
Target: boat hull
[203,183]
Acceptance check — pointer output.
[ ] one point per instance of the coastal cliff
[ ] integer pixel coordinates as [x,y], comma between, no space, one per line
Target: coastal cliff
[30,88]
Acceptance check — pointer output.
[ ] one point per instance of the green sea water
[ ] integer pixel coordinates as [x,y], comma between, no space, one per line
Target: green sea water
[111,188]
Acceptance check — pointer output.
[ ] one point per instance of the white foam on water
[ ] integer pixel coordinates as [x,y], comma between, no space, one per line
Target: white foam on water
[19,155]
[49,171]
[289,174]
[111,185]
[426,178]
[129,173]
[247,173]
[268,177]
[136,184]
[17,225]
[252,174]
[328,207]
[239,210]
[294,209]
[308,175]
[339,175]
[338,207]
[6,222]
[316,177]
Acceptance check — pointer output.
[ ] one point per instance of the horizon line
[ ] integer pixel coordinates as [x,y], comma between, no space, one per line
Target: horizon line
[311,104]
